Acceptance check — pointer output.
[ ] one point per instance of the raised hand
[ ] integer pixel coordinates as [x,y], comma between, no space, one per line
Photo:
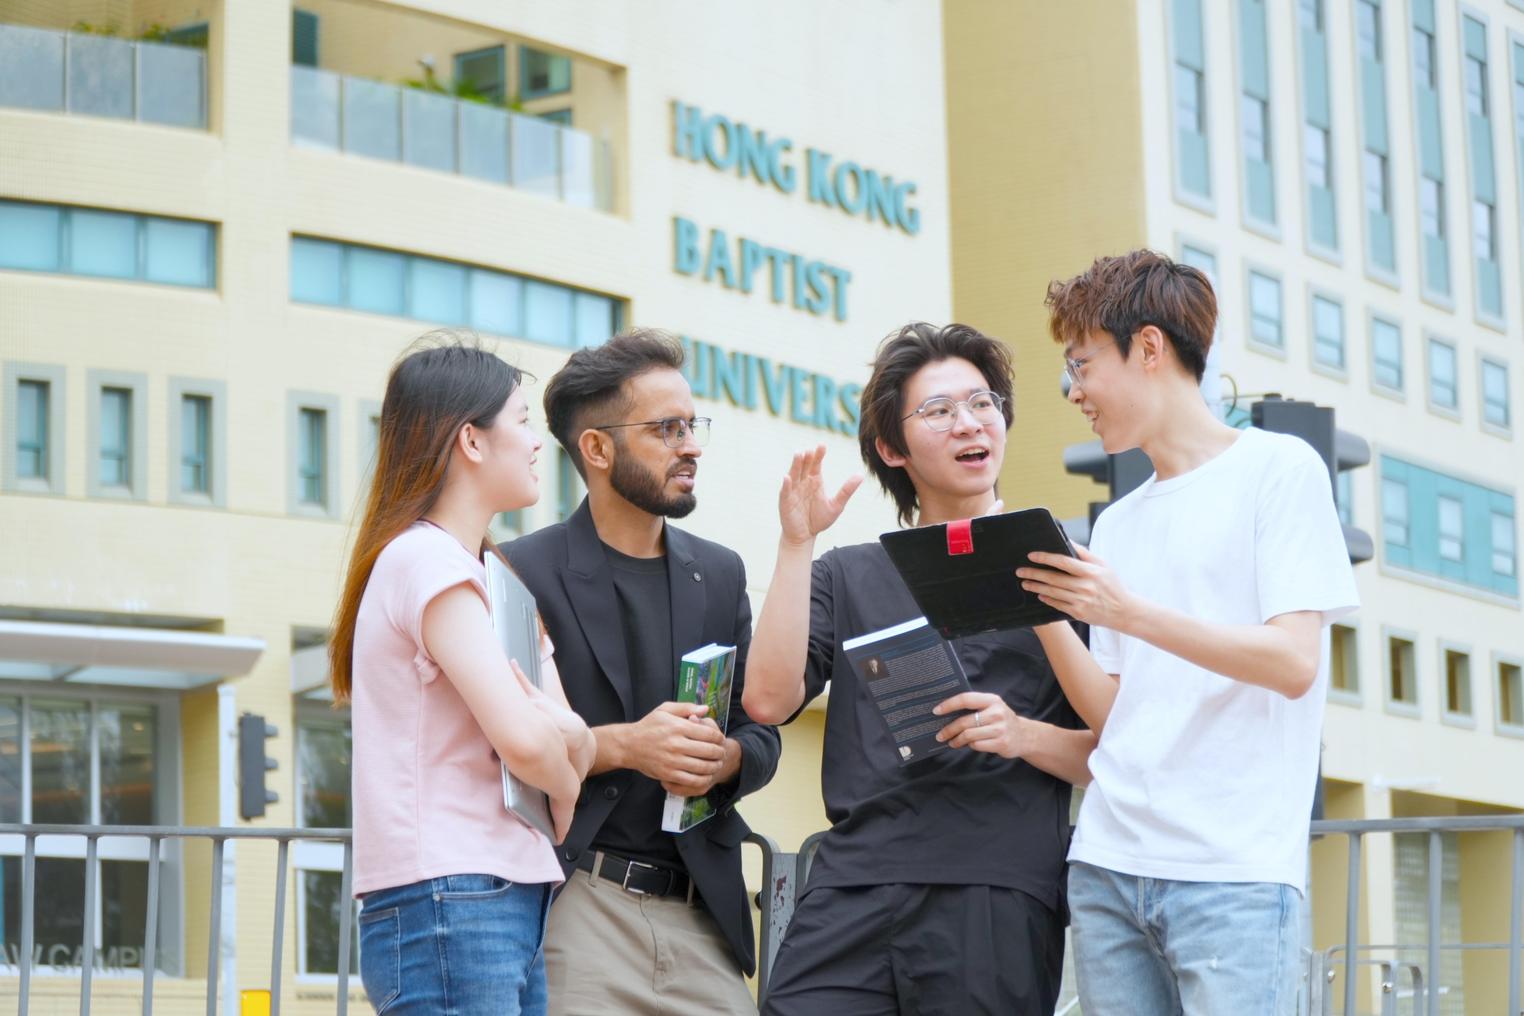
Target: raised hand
[804,508]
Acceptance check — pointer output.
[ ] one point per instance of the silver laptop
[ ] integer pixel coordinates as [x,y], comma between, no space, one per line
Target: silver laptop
[513,618]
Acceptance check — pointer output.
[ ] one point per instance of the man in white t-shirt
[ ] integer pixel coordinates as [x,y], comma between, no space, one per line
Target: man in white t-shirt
[1209,590]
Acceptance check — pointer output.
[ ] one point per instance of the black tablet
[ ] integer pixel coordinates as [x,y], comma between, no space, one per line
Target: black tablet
[963,574]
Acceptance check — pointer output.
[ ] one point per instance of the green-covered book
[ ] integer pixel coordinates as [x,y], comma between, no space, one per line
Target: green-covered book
[704,675]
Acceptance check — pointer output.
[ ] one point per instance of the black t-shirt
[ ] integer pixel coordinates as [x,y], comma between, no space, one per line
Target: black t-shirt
[633,828]
[960,817]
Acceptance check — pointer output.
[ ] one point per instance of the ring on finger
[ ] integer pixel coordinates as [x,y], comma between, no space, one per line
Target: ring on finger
[979,718]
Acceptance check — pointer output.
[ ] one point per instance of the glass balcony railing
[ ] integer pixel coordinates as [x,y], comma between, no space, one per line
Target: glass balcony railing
[69,72]
[438,132]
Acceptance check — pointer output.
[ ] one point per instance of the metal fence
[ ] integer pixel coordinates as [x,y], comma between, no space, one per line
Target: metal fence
[783,876]
[97,75]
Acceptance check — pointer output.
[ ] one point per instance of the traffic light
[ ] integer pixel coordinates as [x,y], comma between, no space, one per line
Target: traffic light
[1121,473]
[1339,449]
[253,764]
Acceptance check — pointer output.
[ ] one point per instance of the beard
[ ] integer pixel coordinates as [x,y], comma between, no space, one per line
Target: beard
[641,488]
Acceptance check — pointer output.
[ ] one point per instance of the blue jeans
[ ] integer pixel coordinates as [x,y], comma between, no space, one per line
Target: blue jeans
[1157,947]
[460,945]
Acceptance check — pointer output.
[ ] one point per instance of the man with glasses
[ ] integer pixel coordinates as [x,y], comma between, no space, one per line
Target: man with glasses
[939,886]
[1209,589]
[647,921]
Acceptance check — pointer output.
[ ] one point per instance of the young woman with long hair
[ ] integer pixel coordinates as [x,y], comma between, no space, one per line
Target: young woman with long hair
[454,888]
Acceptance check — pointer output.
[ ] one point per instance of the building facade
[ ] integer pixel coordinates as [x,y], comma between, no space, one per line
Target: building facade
[1349,174]
[221,221]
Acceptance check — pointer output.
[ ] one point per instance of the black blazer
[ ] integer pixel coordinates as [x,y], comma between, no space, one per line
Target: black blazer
[564,565]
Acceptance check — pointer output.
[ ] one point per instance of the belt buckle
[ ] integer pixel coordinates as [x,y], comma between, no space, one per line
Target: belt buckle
[630,867]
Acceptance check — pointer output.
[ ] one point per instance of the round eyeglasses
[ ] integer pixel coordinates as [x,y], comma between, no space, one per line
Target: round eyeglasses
[675,431]
[941,412]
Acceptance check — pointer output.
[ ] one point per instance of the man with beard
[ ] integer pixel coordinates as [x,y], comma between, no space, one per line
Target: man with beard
[647,921]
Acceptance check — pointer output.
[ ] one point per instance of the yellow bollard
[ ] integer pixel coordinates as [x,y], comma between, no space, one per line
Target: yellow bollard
[254,1002]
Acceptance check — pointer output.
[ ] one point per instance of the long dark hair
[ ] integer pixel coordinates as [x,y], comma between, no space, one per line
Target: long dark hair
[431,393]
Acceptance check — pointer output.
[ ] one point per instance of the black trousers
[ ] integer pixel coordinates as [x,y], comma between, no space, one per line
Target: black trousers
[918,950]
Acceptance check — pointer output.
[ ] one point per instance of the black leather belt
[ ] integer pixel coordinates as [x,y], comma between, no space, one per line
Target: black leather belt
[637,877]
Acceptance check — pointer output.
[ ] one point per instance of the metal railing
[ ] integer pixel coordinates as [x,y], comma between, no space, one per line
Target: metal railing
[1356,830]
[430,130]
[156,835]
[784,875]
[97,75]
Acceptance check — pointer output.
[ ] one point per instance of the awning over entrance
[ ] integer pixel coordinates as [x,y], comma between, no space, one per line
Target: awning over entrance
[131,657]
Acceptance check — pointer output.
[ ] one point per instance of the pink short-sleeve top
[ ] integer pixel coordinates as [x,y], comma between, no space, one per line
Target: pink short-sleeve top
[427,784]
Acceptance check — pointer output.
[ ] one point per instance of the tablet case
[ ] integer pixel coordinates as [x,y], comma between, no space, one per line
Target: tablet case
[963,574]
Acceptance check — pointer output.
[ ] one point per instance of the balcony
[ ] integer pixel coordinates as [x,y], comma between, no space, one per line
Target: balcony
[418,127]
[99,75]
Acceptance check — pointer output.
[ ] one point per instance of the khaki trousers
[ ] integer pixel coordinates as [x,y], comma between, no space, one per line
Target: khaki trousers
[608,952]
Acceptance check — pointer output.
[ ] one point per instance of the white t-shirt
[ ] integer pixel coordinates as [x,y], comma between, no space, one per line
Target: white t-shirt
[1198,777]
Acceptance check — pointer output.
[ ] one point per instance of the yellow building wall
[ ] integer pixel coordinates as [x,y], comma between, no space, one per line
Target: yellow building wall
[1045,169]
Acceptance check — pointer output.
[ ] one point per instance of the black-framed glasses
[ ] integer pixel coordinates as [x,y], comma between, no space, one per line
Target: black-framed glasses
[674,429]
[939,413]
[1074,369]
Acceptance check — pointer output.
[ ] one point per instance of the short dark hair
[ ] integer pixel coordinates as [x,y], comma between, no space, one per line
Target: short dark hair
[899,356]
[592,383]
[1142,287]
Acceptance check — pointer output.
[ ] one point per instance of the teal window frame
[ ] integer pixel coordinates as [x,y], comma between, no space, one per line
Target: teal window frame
[1451,535]
[305,38]
[33,408]
[492,298]
[1267,318]
[528,69]
[1330,348]
[312,457]
[1395,513]
[492,85]
[1189,109]
[1444,391]
[1386,369]
[196,444]
[114,463]
[1256,117]
[1496,409]
[1505,545]
[136,233]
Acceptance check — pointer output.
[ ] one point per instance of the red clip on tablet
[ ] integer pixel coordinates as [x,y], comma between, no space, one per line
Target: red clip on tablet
[960,537]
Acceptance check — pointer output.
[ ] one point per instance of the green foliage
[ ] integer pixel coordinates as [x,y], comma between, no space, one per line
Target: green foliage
[461,89]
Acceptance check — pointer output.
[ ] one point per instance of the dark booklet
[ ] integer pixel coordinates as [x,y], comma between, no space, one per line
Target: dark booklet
[907,670]
[963,574]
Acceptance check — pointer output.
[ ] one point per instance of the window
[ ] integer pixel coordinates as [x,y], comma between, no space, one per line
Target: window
[1265,324]
[1343,659]
[304,38]
[1431,207]
[1394,512]
[1476,83]
[1368,30]
[1188,50]
[312,440]
[1344,497]
[195,444]
[106,244]
[1510,694]
[1495,407]
[1452,530]
[1328,332]
[1256,114]
[445,292]
[542,73]
[508,525]
[1505,560]
[323,754]
[1318,171]
[1402,676]
[1190,105]
[1423,58]
[1442,371]
[1309,14]
[484,72]
[1376,193]
[77,760]
[1386,354]
[1457,682]
[1483,235]
[115,457]
[32,460]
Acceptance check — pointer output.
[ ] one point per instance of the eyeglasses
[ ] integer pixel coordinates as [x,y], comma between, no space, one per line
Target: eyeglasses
[941,412]
[675,431]
[1074,370]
